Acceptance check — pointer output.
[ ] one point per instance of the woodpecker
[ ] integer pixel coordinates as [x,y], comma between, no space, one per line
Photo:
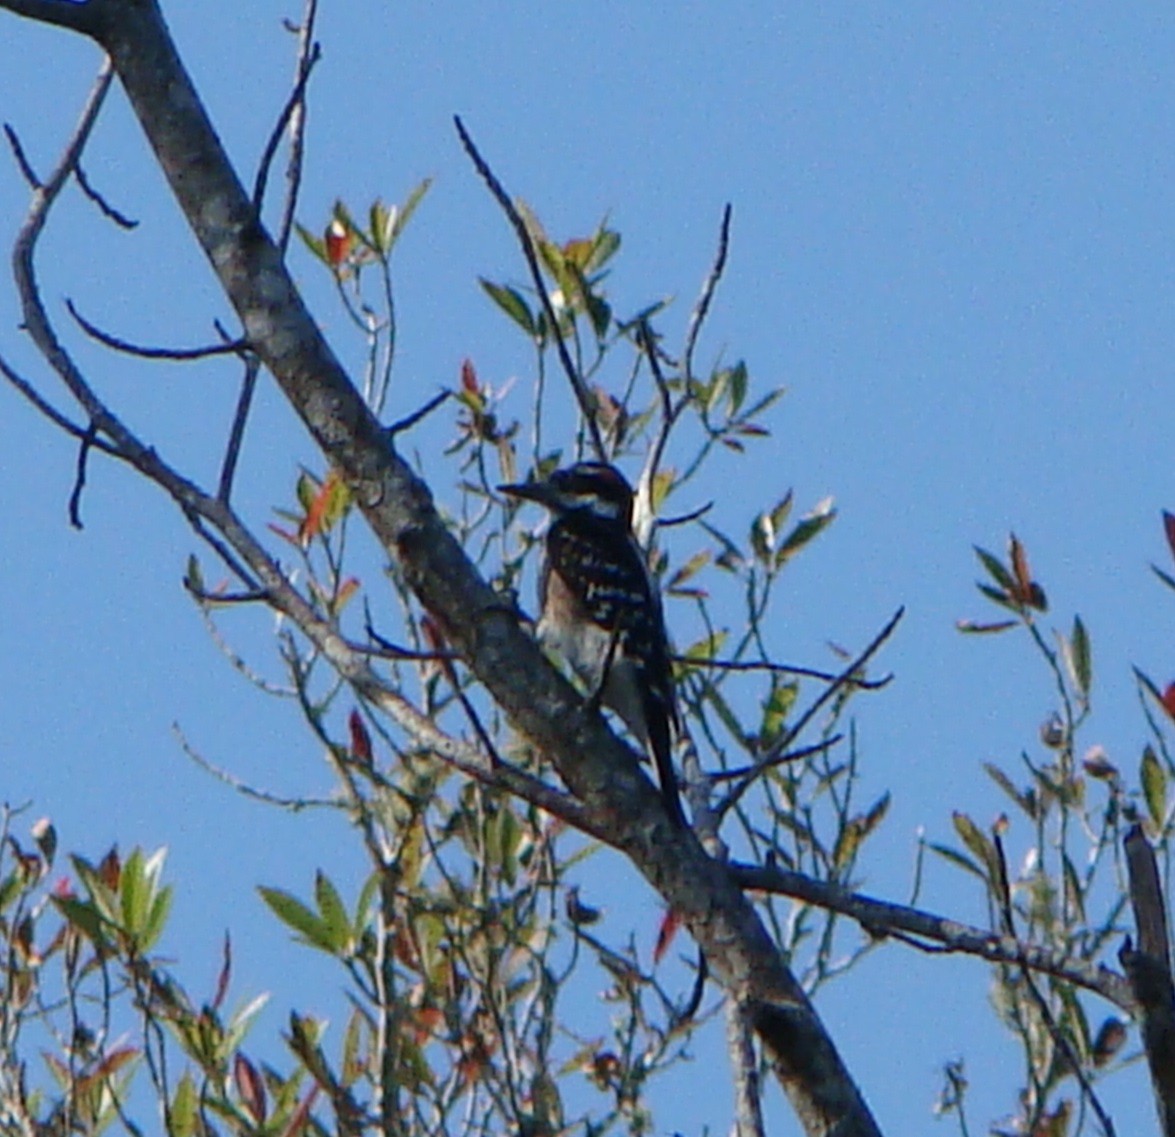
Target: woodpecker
[601,609]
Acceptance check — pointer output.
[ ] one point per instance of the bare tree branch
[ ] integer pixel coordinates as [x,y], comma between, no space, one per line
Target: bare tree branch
[882,917]
[120,219]
[236,435]
[48,410]
[174,354]
[79,484]
[702,307]
[1149,970]
[22,159]
[84,17]
[297,99]
[297,126]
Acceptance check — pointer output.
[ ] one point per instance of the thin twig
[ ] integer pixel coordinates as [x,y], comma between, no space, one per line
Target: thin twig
[293,804]
[177,354]
[295,100]
[841,681]
[778,760]
[389,650]
[26,167]
[79,483]
[669,411]
[684,518]
[582,395]
[845,678]
[783,669]
[297,128]
[49,410]
[702,307]
[120,219]
[232,451]
[416,416]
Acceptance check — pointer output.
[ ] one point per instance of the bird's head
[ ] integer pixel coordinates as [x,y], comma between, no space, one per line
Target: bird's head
[592,488]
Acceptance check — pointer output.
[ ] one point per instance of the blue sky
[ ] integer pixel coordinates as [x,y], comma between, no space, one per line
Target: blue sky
[952,244]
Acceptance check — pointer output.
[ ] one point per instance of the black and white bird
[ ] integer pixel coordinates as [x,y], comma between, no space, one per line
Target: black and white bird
[601,609]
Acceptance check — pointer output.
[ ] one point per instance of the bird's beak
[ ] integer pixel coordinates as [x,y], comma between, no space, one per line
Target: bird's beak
[530,491]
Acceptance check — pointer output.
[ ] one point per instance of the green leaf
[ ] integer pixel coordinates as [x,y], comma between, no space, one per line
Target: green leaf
[157,917]
[970,627]
[1166,578]
[103,898]
[242,1020]
[762,538]
[1006,784]
[306,489]
[333,912]
[688,570]
[875,815]
[1074,895]
[293,913]
[996,570]
[314,243]
[1154,786]
[977,842]
[957,858]
[1082,660]
[132,892]
[776,709]
[738,387]
[782,510]
[998,597]
[729,719]
[363,906]
[84,915]
[604,247]
[707,648]
[805,530]
[404,215]
[183,1107]
[511,302]
[599,312]
[10,888]
[382,220]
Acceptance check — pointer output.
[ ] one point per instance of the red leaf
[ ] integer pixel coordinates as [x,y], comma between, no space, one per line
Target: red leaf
[346,590]
[338,240]
[312,523]
[226,970]
[360,739]
[297,1125]
[284,534]
[670,922]
[250,1087]
[469,377]
[1169,529]
[1169,699]
[1020,569]
[110,869]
